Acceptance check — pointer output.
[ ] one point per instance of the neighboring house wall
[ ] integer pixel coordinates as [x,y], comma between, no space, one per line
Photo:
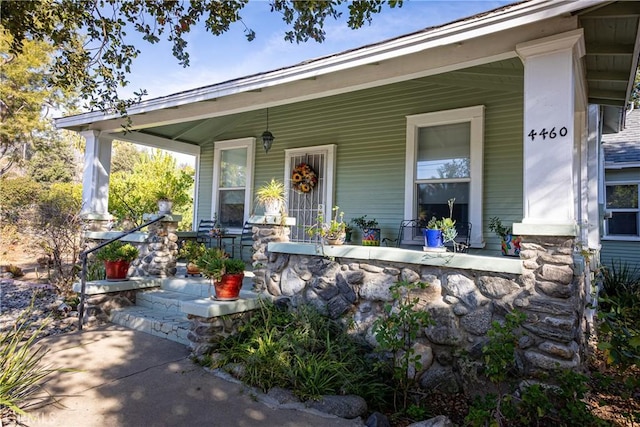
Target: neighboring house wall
[369,129]
[622,169]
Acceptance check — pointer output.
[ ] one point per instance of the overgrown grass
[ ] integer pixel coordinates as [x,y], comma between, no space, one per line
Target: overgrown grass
[302,350]
[21,370]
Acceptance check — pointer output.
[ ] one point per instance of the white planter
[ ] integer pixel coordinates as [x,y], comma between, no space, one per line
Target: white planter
[272,207]
[164,206]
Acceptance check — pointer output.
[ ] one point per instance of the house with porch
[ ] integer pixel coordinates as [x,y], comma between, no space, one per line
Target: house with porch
[502,112]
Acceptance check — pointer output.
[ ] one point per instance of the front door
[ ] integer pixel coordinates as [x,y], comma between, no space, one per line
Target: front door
[309,177]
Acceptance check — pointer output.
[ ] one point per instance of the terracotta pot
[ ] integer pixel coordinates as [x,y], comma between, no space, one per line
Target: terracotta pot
[192,269]
[228,288]
[116,270]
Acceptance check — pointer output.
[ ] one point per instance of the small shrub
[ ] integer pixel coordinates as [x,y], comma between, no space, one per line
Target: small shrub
[21,369]
[618,314]
[14,270]
[396,332]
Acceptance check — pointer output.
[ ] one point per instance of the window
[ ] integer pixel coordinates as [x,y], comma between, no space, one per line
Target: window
[622,203]
[444,161]
[232,182]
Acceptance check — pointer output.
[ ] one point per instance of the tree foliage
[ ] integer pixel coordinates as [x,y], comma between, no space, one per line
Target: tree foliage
[25,96]
[132,194]
[94,52]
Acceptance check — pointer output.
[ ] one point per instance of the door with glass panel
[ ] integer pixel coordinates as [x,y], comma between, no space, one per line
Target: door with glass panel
[309,178]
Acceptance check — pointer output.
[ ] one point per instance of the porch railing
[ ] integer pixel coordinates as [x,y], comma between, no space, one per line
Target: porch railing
[84,256]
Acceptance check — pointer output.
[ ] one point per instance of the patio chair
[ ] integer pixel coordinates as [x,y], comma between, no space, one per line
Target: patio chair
[246,238]
[409,229]
[463,239]
[202,235]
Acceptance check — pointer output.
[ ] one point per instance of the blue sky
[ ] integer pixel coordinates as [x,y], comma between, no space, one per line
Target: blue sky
[217,59]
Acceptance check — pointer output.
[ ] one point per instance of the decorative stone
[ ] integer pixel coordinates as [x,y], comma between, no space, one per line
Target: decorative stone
[290,283]
[557,290]
[377,419]
[439,378]
[461,287]
[376,288]
[409,275]
[439,421]
[549,363]
[477,322]
[336,306]
[554,273]
[425,354]
[567,352]
[324,288]
[349,406]
[496,287]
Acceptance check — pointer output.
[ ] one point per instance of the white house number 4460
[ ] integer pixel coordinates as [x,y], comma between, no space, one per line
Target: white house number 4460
[551,133]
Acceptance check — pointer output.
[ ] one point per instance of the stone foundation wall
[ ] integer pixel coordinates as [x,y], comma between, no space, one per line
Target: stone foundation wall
[207,332]
[99,307]
[463,304]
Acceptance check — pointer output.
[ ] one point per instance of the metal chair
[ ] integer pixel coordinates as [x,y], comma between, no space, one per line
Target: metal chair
[408,227]
[202,235]
[462,241]
[246,238]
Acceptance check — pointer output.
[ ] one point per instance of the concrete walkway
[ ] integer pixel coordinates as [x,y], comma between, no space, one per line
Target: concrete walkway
[129,378]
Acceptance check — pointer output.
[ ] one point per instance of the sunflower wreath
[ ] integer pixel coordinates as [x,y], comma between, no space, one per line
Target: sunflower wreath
[303,178]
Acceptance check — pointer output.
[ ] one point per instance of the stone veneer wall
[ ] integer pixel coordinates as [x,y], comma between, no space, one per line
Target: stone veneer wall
[158,253]
[463,303]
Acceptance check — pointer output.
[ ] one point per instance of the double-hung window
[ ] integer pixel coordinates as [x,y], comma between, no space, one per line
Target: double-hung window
[444,163]
[622,203]
[232,182]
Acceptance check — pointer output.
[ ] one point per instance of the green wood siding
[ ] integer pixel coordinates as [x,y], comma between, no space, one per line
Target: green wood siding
[369,129]
[620,251]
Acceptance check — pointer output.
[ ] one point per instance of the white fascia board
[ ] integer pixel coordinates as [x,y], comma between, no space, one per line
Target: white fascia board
[158,142]
[517,15]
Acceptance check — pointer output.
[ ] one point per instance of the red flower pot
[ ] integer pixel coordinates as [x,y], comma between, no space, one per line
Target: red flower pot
[228,288]
[116,270]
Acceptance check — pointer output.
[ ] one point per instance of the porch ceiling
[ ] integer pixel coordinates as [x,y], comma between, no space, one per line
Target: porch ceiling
[612,49]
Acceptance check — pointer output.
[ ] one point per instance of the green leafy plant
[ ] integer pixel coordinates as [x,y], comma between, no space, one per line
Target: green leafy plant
[191,250]
[234,266]
[117,251]
[331,229]
[21,369]
[396,333]
[212,263]
[301,350]
[562,403]
[446,224]
[496,226]
[618,314]
[270,191]
[363,223]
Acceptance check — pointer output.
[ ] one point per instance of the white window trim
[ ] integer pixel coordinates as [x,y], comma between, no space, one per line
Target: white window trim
[606,235]
[475,116]
[219,146]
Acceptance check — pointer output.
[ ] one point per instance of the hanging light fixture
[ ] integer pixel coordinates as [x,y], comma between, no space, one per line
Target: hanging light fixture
[267,137]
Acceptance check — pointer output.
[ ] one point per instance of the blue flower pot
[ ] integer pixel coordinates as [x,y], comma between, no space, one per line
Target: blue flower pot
[433,238]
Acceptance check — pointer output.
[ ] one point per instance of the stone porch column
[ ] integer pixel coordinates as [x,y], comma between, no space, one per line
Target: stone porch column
[267,229]
[95,180]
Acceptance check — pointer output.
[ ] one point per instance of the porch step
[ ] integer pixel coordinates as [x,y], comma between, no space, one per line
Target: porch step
[163,300]
[171,326]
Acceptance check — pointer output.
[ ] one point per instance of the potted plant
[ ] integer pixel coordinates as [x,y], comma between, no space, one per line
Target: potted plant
[509,244]
[440,231]
[370,230]
[117,256]
[226,274]
[271,196]
[165,201]
[332,232]
[191,251]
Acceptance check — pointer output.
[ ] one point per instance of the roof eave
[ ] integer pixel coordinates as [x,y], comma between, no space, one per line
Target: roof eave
[483,24]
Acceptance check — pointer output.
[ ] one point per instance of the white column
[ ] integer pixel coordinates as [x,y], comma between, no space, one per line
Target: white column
[553,90]
[95,180]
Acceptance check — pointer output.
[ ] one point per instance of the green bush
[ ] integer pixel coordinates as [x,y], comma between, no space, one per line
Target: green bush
[18,195]
[618,315]
[117,251]
[303,351]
